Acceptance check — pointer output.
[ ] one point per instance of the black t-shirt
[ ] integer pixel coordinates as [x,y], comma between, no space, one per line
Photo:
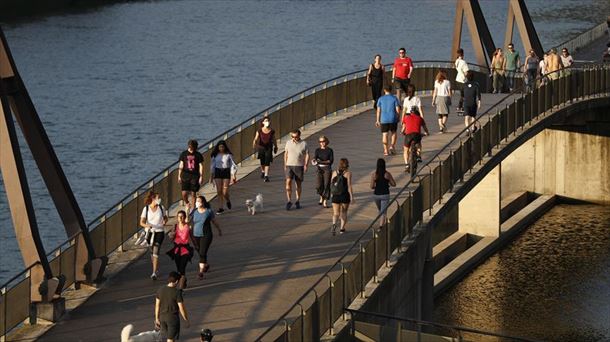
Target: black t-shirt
[191,162]
[472,93]
[169,297]
[325,155]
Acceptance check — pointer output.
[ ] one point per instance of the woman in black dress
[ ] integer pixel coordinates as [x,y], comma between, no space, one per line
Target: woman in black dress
[323,159]
[374,78]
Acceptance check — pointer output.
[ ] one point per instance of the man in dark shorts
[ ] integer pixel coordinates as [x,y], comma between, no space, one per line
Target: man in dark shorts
[472,102]
[296,158]
[401,72]
[411,128]
[190,173]
[388,109]
[168,303]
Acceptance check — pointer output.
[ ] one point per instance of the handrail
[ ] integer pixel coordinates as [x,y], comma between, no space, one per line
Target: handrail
[394,199]
[19,275]
[205,145]
[429,323]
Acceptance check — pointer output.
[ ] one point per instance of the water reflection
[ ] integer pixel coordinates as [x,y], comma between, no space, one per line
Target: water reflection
[552,283]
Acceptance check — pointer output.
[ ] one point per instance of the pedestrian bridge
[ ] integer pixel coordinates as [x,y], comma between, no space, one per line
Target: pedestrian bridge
[285,264]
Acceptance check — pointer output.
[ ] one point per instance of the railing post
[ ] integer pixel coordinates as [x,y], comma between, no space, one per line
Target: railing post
[343,299]
[330,306]
[120,209]
[375,238]
[362,251]
[440,182]
[451,156]
[430,191]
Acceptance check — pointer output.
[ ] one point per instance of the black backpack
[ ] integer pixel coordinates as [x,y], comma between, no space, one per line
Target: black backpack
[337,185]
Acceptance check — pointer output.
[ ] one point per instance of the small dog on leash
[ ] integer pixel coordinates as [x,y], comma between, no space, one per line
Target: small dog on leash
[146,336]
[255,205]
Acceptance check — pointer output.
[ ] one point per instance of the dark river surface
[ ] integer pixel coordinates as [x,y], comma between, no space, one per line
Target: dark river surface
[121,88]
[552,283]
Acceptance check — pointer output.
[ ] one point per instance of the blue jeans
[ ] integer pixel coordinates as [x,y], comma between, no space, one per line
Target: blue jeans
[510,78]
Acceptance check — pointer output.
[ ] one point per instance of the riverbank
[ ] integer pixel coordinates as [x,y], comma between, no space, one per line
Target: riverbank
[11,10]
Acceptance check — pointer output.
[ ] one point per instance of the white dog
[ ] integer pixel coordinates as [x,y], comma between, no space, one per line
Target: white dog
[146,336]
[255,205]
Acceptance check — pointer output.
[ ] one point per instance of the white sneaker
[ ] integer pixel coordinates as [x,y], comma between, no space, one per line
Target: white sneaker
[153,276]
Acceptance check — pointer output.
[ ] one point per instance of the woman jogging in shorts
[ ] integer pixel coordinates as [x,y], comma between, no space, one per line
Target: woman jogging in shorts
[381,180]
[342,194]
[152,219]
[201,220]
[441,99]
[266,145]
[223,172]
[181,252]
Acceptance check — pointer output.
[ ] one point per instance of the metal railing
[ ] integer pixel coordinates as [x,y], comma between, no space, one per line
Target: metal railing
[314,313]
[381,327]
[115,226]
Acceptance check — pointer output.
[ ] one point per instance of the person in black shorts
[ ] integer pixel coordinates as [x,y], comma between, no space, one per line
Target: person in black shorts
[342,194]
[266,145]
[472,102]
[190,174]
[168,305]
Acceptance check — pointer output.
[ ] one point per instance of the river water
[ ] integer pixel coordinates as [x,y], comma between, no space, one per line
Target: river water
[552,283]
[121,88]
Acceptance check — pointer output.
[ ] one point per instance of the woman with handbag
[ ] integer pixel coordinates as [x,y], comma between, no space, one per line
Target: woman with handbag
[265,144]
[181,252]
[223,171]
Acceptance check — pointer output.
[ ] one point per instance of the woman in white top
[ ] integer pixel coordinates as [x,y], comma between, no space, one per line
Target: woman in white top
[223,171]
[441,99]
[152,219]
[411,103]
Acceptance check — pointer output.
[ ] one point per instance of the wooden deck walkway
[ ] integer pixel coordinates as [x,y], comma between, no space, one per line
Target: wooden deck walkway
[261,264]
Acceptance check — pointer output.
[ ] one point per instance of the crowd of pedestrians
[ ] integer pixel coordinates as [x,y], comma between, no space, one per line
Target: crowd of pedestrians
[394,106]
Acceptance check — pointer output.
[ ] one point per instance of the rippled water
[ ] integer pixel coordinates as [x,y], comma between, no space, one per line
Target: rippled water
[121,88]
[552,283]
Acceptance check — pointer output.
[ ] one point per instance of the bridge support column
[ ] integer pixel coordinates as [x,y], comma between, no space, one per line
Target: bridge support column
[479,211]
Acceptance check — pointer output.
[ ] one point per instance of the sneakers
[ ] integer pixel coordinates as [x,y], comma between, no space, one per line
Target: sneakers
[288,205]
[229,205]
[153,276]
[407,168]
[262,175]
[220,211]
[342,231]
[419,159]
[266,179]
[200,275]
[333,229]
[297,204]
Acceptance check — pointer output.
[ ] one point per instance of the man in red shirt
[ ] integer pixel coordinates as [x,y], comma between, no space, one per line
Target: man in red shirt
[401,72]
[411,128]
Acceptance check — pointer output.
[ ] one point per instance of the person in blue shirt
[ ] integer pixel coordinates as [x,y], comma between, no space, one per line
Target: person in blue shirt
[201,220]
[388,110]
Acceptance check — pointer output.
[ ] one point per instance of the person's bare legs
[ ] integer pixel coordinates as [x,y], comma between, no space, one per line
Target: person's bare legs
[394,136]
[405,155]
[219,192]
[299,188]
[384,142]
[225,190]
[336,214]
[343,215]
[155,263]
[186,197]
[288,190]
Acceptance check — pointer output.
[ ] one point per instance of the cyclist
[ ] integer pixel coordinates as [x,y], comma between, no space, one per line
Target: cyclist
[411,128]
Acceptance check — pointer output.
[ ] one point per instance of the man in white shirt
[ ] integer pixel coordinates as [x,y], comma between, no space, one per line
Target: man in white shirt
[462,68]
[296,158]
